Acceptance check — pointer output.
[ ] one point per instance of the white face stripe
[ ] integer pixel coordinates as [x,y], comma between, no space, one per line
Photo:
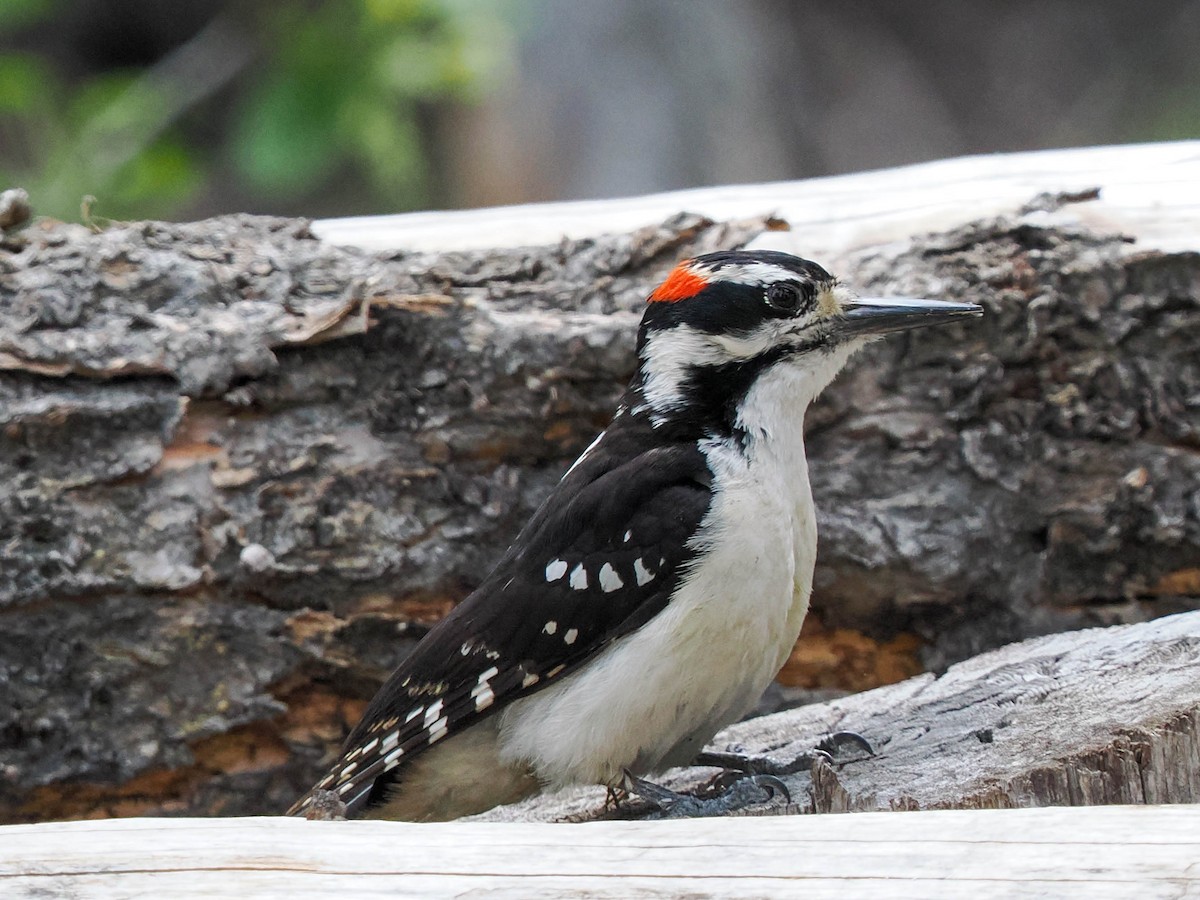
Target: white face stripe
[748,273]
[668,358]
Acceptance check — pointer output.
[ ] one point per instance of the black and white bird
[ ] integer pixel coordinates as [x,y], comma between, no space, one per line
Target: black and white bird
[660,587]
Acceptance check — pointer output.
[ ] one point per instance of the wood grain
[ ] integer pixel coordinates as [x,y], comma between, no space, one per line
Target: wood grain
[1115,852]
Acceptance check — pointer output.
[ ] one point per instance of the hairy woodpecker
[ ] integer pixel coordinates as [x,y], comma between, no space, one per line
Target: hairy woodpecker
[660,587]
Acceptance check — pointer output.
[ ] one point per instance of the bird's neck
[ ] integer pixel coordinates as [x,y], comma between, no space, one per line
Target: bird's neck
[759,401]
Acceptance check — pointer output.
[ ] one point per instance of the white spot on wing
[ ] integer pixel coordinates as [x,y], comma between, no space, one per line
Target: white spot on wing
[529,680]
[579,579]
[609,579]
[482,692]
[389,742]
[416,712]
[435,710]
[438,730]
[390,761]
[628,536]
[641,573]
[550,627]
[569,637]
[556,569]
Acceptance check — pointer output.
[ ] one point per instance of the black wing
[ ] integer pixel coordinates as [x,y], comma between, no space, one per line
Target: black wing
[599,558]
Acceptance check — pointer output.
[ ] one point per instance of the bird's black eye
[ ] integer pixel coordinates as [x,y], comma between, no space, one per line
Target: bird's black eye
[790,298]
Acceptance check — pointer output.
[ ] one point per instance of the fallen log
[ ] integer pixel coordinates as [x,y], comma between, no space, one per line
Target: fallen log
[243,467]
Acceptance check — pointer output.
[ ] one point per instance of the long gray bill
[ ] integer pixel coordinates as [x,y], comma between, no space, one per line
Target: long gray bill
[882,315]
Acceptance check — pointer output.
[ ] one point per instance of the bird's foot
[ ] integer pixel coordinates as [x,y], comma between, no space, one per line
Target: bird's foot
[746,791]
[830,748]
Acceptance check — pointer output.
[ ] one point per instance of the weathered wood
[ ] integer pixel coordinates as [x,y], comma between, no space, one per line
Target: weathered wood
[242,468]
[1115,852]
[1151,191]
[1085,718]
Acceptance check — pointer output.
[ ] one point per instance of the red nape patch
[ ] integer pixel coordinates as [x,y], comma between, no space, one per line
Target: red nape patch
[680,284]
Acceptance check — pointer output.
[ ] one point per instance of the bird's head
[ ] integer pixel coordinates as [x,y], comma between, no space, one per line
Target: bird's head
[723,323]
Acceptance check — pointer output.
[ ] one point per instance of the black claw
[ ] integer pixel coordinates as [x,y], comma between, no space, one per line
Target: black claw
[772,785]
[833,743]
[816,754]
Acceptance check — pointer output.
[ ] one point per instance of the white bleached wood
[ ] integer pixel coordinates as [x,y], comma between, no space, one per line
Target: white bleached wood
[1113,852]
[1151,191]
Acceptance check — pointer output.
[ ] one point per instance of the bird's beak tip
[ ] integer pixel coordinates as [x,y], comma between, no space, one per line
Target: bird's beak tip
[882,315]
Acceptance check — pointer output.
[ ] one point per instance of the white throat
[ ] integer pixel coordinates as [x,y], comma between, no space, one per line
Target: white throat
[670,356]
[774,407]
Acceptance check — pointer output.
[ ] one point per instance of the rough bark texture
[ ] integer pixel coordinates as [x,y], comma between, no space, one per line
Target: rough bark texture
[1035,473]
[241,470]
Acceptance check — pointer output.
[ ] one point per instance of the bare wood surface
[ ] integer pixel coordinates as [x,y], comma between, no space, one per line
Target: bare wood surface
[1114,852]
[1151,191]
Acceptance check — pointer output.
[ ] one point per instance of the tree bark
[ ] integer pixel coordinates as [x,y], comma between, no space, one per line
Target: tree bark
[242,469]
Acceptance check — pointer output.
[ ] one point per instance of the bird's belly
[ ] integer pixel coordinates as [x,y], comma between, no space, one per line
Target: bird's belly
[656,696]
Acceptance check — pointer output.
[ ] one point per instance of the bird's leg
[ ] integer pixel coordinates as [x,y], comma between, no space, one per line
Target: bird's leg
[829,747]
[751,790]
[615,797]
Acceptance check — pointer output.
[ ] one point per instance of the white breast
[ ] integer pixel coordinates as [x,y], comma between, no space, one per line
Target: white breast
[655,697]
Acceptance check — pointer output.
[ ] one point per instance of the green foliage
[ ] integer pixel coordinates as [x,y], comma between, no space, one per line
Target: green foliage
[15,13]
[332,89]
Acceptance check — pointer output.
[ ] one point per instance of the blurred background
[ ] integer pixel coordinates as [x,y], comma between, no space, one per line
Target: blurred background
[188,108]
